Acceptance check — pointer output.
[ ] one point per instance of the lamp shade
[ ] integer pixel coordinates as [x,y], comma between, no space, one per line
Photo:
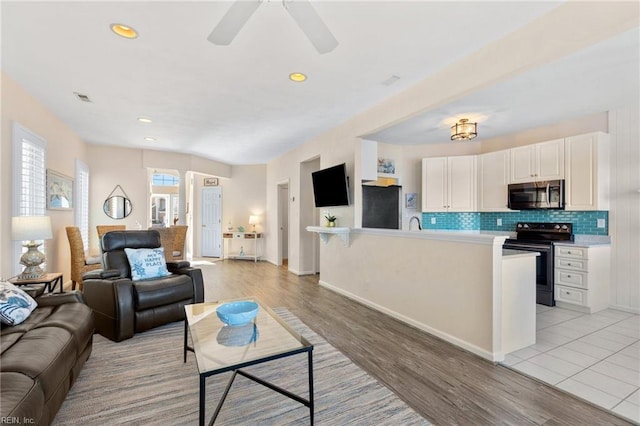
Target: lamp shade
[28,228]
[254,220]
[463,130]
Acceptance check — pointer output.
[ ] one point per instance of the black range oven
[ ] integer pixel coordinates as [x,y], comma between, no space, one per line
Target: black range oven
[539,237]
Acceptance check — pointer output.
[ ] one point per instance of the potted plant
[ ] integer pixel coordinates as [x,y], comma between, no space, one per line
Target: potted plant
[331,220]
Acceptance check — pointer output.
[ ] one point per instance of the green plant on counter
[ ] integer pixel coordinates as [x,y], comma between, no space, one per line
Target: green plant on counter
[330,218]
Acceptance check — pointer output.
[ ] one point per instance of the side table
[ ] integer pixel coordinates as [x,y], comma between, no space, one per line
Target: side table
[50,281]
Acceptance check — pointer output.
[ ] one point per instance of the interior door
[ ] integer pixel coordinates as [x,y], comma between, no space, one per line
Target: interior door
[211,237]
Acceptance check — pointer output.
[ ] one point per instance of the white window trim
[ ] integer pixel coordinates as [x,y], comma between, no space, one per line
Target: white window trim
[81,208]
[20,133]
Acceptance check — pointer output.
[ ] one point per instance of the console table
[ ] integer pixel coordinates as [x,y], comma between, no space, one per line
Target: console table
[250,238]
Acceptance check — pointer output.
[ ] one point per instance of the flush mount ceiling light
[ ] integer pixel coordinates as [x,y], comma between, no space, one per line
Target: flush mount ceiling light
[463,130]
[150,139]
[144,120]
[298,77]
[124,31]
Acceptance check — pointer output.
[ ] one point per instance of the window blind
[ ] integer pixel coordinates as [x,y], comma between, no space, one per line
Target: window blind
[82,201]
[30,182]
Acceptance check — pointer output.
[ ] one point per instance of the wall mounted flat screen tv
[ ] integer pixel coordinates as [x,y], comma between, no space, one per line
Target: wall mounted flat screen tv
[331,186]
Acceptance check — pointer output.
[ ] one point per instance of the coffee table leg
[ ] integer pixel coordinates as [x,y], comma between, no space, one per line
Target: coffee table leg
[202,396]
[311,387]
[185,340]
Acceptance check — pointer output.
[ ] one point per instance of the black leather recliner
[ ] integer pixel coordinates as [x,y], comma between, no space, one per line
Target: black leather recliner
[122,306]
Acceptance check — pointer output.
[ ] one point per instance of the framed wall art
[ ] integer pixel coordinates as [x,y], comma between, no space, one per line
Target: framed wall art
[411,200]
[211,181]
[59,191]
[386,165]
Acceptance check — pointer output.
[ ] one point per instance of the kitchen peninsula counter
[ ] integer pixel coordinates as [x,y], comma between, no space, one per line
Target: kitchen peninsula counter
[448,283]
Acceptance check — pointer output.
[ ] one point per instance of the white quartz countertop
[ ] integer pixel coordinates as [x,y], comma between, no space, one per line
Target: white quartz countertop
[472,236]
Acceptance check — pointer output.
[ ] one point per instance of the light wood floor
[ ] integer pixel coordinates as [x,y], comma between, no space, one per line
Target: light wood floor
[445,384]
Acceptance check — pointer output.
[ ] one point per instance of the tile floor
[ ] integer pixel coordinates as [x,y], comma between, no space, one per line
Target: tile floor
[596,357]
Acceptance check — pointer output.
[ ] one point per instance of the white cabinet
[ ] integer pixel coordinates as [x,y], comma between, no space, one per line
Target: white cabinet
[493,178]
[582,277]
[587,172]
[449,184]
[368,160]
[538,162]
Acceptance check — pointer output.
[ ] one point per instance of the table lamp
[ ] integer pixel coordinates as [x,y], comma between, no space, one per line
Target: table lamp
[254,220]
[28,229]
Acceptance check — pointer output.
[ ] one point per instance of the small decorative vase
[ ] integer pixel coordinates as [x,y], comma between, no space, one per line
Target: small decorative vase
[331,224]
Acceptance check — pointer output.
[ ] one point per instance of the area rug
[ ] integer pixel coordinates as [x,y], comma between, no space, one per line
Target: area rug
[143,381]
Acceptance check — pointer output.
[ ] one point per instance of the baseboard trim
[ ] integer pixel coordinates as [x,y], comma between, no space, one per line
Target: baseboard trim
[493,357]
[623,308]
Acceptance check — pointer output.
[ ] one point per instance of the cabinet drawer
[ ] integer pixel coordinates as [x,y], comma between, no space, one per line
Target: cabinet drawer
[571,278]
[573,252]
[571,295]
[573,264]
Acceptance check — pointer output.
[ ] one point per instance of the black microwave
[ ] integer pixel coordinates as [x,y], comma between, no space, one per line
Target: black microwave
[545,195]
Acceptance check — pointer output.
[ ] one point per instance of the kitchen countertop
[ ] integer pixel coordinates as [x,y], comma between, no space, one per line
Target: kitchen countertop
[586,241]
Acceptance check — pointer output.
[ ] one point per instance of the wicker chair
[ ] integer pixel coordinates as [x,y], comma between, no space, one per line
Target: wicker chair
[178,243]
[103,229]
[79,262]
[167,237]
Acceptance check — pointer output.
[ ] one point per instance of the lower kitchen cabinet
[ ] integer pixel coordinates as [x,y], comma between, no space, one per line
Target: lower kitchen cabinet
[582,275]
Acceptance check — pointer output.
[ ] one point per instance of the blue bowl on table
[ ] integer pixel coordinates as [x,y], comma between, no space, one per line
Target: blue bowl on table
[237,313]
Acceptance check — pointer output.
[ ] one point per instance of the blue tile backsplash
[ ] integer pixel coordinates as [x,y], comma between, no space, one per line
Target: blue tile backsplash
[584,223]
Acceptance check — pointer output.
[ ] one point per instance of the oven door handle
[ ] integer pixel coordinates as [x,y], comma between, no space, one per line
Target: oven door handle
[527,247]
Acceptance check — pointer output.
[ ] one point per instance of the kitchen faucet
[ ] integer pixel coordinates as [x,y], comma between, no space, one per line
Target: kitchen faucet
[411,220]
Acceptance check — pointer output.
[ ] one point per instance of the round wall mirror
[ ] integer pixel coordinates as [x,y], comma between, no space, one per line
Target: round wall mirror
[117,207]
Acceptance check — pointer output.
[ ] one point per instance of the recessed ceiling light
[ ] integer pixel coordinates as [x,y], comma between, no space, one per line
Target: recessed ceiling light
[144,120]
[298,77]
[124,31]
[150,139]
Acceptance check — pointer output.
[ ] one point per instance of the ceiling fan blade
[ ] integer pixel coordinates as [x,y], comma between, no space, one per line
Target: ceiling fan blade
[312,25]
[233,21]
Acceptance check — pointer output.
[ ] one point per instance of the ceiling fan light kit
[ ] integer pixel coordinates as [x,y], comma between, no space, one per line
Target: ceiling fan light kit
[463,130]
[301,11]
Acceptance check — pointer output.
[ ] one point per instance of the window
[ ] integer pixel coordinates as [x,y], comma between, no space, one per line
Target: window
[82,201]
[29,188]
[160,179]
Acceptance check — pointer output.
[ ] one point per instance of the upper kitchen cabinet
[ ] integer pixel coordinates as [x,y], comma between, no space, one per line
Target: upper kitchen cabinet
[587,172]
[538,162]
[368,160]
[449,184]
[493,176]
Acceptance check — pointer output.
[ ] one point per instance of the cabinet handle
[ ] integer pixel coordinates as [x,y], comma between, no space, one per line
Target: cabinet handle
[568,276]
[568,252]
[567,292]
[568,264]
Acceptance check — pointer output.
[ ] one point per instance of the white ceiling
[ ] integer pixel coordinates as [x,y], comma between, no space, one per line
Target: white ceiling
[235,103]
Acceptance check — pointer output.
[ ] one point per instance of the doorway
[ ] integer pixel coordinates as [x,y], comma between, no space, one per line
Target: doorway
[211,236]
[283,224]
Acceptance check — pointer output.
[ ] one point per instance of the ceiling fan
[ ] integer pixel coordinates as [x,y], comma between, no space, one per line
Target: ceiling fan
[300,10]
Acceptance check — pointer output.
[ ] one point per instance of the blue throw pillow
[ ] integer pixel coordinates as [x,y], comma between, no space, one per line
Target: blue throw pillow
[15,304]
[147,263]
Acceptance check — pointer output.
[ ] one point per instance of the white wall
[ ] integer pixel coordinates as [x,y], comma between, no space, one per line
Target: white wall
[598,21]
[624,217]
[63,148]
[244,194]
